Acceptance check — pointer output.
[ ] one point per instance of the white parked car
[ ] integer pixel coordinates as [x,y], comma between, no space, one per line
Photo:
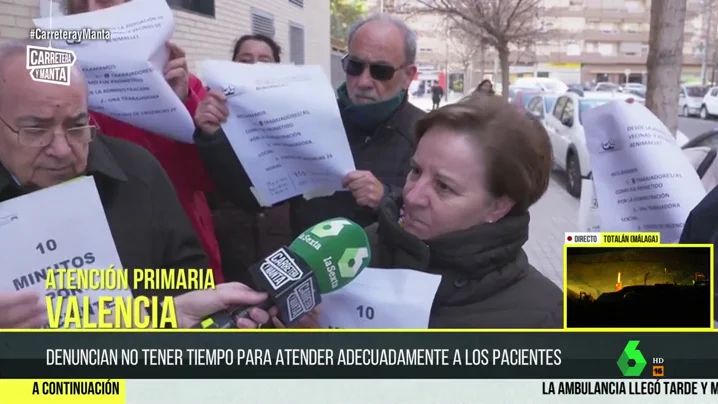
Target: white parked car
[690,99]
[541,84]
[709,106]
[541,105]
[568,139]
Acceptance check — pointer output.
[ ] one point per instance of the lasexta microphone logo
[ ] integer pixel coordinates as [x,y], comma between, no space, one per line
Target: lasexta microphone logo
[631,362]
[339,246]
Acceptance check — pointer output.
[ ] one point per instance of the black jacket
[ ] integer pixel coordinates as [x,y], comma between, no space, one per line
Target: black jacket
[701,227]
[148,224]
[487,281]
[385,152]
[702,224]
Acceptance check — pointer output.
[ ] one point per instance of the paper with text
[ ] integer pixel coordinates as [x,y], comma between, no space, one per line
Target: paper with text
[125,75]
[643,181]
[588,217]
[284,126]
[381,298]
[62,227]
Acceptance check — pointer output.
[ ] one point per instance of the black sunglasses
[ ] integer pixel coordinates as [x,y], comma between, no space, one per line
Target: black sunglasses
[378,71]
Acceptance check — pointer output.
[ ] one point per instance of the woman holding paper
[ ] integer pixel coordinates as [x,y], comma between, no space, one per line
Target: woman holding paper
[180,160]
[247,237]
[479,165]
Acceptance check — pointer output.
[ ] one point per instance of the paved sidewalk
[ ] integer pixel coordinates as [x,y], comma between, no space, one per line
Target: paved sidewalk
[553,215]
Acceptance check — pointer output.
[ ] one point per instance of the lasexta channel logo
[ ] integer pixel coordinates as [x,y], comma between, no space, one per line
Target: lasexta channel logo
[631,362]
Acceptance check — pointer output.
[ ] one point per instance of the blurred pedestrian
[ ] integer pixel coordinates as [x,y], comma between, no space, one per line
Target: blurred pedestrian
[485,87]
[436,93]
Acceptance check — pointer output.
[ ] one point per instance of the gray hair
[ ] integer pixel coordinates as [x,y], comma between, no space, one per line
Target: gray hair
[409,34]
[14,48]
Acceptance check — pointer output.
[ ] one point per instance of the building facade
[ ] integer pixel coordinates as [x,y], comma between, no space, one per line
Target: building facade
[607,40]
[592,40]
[207,29]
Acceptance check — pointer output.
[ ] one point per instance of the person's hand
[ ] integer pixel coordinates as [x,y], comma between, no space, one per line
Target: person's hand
[176,71]
[193,307]
[309,320]
[211,112]
[365,187]
[23,309]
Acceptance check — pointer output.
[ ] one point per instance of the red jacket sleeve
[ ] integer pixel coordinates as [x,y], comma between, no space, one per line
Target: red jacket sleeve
[195,175]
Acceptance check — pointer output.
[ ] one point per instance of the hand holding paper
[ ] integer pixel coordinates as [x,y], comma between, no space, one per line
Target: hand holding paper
[73,234]
[176,71]
[283,124]
[365,187]
[127,76]
[211,112]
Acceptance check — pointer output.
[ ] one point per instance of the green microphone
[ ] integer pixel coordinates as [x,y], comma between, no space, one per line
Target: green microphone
[324,258]
[336,250]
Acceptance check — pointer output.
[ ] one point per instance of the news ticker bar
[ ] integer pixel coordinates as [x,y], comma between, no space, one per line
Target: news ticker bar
[357,355]
[414,391]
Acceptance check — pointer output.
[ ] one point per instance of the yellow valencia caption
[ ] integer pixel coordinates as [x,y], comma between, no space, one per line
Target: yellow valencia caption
[119,311]
[62,391]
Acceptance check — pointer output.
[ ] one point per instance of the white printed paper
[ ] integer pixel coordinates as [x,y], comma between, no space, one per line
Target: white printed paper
[381,298]
[61,227]
[284,126]
[125,75]
[643,180]
[589,220]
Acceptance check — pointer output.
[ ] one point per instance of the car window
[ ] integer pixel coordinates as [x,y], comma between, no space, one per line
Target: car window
[549,102]
[532,104]
[708,139]
[525,98]
[568,112]
[695,91]
[585,105]
[558,108]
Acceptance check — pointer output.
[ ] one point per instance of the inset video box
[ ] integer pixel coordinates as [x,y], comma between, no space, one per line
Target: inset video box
[630,281]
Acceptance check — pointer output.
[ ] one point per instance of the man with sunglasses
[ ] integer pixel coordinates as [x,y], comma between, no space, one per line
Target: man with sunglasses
[47,137]
[378,119]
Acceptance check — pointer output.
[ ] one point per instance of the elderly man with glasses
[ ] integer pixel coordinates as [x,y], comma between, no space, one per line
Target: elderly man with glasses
[377,116]
[47,137]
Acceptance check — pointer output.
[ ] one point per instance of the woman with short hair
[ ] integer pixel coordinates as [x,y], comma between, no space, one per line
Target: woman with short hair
[463,214]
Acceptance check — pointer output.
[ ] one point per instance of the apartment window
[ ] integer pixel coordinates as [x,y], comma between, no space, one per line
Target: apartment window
[262,23]
[204,7]
[296,44]
[605,49]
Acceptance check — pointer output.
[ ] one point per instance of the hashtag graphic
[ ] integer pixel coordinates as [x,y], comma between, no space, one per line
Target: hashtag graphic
[32,34]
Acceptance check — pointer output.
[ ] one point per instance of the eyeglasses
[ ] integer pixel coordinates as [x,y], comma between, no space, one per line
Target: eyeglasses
[378,71]
[41,137]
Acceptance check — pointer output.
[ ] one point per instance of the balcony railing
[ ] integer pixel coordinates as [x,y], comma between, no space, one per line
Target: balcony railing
[617,36]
